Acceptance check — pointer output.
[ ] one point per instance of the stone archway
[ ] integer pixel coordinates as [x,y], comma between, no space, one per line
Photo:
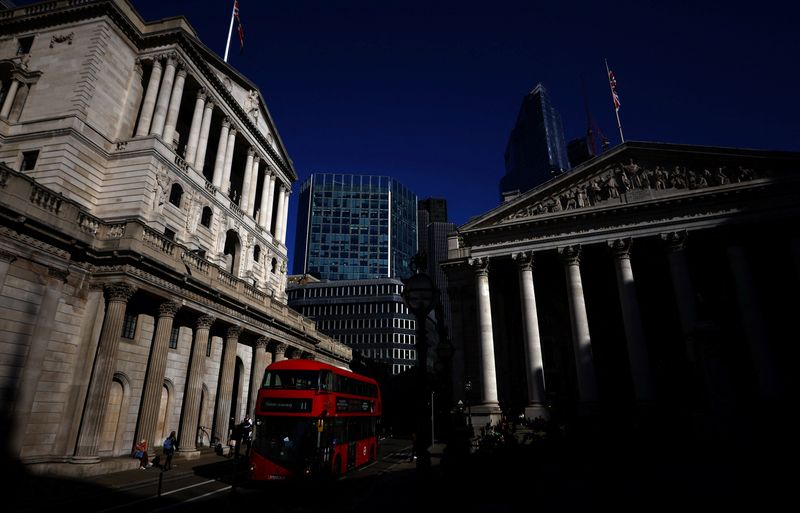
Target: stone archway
[233,247]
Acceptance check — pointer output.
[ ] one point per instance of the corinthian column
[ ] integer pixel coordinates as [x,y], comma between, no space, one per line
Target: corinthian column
[10,97]
[226,168]
[280,351]
[251,199]
[117,295]
[280,221]
[194,129]
[174,107]
[248,176]
[285,216]
[226,383]
[534,366]
[219,158]
[581,340]
[488,369]
[187,438]
[149,103]
[257,374]
[684,289]
[634,333]
[162,103]
[270,202]
[202,144]
[265,200]
[154,382]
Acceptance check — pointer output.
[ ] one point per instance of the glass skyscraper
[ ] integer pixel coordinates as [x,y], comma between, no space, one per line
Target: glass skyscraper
[355,227]
[536,150]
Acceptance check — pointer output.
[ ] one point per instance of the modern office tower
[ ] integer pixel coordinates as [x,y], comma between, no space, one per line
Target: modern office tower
[144,193]
[367,315]
[433,229]
[355,227]
[536,150]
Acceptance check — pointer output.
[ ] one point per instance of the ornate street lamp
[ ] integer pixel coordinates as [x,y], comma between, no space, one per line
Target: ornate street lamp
[420,295]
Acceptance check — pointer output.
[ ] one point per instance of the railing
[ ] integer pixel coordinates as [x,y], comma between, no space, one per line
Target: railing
[197,262]
[154,239]
[46,199]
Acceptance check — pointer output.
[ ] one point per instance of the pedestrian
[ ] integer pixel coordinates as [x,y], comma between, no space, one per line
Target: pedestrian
[140,451]
[246,429]
[169,450]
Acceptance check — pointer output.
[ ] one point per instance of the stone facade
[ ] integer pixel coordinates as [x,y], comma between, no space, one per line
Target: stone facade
[656,278]
[144,195]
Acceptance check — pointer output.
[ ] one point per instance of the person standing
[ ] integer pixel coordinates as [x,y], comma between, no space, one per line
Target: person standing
[140,452]
[169,450]
[247,433]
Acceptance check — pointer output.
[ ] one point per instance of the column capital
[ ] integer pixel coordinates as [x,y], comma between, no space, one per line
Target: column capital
[262,342]
[119,292]
[675,241]
[226,122]
[58,274]
[201,93]
[621,248]
[5,256]
[168,308]
[234,332]
[210,102]
[524,259]
[232,132]
[172,57]
[138,66]
[570,255]
[256,158]
[251,151]
[280,347]
[156,59]
[480,265]
[205,322]
[181,71]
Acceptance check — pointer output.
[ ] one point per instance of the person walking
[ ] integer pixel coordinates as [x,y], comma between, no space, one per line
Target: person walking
[169,450]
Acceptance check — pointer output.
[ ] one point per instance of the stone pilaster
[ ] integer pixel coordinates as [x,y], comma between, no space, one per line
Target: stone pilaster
[581,339]
[154,379]
[187,437]
[149,103]
[641,371]
[534,362]
[225,393]
[117,295]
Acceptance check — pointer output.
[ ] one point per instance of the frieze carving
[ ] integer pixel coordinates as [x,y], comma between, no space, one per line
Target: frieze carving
[62,38]
[631,180]
[570,255]
[34,243]
[119,292]
[621,248]
[168,309]
[5,256]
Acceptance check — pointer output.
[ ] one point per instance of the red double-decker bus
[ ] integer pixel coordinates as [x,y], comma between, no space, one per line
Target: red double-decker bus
[312,418]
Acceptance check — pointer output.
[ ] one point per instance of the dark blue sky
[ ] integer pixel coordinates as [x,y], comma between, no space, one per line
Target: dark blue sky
[428,91]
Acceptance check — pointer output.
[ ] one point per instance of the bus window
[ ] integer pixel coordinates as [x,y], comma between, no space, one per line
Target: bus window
[296,379]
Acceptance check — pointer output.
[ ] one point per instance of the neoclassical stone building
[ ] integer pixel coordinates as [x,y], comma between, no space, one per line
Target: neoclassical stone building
[656,277]
[144,194]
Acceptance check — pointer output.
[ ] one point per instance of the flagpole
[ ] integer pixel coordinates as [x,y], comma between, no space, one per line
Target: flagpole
[616,110]
[230,30]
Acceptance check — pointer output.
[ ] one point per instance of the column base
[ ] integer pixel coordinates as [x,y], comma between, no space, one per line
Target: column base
[84,460]
[535,410]
[188,454]
[485,413]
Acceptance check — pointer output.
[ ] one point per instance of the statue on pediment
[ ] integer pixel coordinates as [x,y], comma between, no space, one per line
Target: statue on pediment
[721,178]
[612,187]
[251,104]
[744,174]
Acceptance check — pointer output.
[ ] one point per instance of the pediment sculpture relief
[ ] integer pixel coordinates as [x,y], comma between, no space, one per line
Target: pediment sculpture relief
[618,183]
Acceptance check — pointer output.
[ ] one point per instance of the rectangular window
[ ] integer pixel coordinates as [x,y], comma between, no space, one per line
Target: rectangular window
[29,159]
[129,326]
[24,45]
[170,234]
[208,346]
[173,337]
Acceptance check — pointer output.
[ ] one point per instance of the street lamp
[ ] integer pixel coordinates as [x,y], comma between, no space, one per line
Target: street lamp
[468,389]
[420,295]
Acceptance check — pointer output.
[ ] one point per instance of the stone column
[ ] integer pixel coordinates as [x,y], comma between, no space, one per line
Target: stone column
[285,216]
[641,371]
[10,96]
[94,412]
[24,404]
[226,169]
[279,221]
[6,259]
[194,130]
[488,369]
[149,103]
[755,329]
[534,362]
[581,340]
[154,381]
[174,107]
[248,177]
[187,437]
[270,203]
[251,201]
[202,144]
[685,295]
[265,200]
[160,113]
[257,374]
[280,351]
[219,159]
[226,383]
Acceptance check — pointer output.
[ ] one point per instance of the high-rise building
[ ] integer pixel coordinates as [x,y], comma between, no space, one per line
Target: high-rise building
[355,227]
[536,150]
[433,229]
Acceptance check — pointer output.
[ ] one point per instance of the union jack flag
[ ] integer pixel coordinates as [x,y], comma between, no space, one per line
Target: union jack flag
[612,80]
[238,24]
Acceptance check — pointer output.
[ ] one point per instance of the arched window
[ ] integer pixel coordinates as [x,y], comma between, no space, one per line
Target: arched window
[175,195]
[274,265]
[256,252]
[205,219]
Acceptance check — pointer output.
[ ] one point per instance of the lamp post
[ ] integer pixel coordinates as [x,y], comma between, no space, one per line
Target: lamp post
[468,389]
[420,295]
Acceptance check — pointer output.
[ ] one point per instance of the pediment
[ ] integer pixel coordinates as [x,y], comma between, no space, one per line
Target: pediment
[626,177]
